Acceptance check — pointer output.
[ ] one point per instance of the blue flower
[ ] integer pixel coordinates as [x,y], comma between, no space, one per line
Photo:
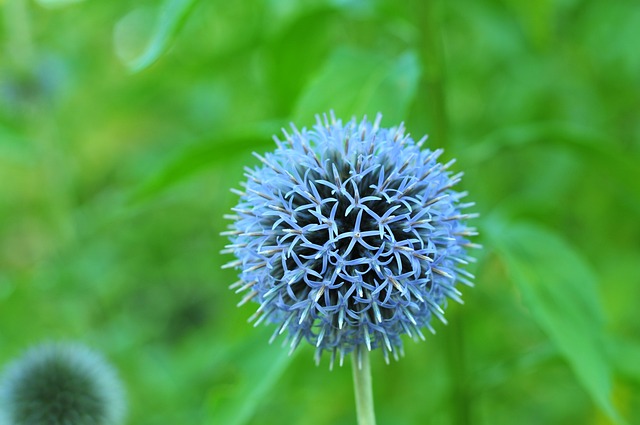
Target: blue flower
[60,384]
[349,236]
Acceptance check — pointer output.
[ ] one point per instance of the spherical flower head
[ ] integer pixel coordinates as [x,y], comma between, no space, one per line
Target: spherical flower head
[60,384]
[349,236]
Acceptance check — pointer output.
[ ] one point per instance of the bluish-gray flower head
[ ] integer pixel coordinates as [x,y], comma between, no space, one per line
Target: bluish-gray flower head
[349,236]
[60,384]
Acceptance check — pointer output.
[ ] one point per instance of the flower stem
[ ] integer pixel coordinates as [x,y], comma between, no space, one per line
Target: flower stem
[362,386]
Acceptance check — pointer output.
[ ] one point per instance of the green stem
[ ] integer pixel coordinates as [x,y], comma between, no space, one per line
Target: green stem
[362,386]
[431,102]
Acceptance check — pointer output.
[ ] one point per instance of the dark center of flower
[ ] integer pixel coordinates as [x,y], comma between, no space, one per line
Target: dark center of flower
[353,229]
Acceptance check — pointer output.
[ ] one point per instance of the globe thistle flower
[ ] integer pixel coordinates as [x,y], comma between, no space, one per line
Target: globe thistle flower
[348,236]
[60,384]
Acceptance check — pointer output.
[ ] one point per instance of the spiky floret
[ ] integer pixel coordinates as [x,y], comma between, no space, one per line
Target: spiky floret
[349,236]
[60,384]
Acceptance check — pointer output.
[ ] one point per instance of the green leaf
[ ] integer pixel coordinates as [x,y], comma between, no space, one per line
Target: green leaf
[133,32]
[626,353]
[173,15]
[188,163]
[357,82]
[255,369]
[201,156]
[559,289]
[594,149]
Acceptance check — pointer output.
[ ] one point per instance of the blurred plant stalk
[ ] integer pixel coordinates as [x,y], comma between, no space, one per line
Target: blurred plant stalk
[431,100]
[432,103]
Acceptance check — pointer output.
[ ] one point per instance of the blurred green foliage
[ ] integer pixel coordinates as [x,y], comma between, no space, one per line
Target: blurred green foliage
[123,126]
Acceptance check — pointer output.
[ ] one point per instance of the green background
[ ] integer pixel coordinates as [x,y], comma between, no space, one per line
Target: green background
[124,124]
